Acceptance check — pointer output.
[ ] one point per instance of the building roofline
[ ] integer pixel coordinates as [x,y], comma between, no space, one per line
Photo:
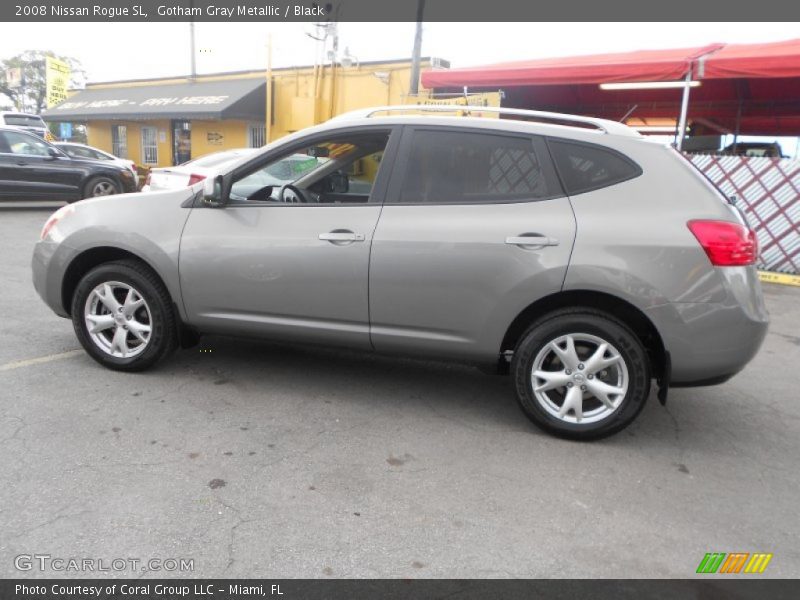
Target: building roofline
[260,72]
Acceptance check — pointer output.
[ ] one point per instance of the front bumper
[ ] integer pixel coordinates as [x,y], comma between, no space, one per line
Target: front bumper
[48,266]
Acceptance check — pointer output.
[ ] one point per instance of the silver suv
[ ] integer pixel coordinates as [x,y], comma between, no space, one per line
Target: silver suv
[572,252]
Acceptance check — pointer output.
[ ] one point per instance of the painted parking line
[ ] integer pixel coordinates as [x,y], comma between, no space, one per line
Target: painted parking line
[782,278]
[39,360]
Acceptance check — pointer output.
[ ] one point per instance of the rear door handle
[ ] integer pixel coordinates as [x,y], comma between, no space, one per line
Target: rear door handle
[341,236]
[531,240]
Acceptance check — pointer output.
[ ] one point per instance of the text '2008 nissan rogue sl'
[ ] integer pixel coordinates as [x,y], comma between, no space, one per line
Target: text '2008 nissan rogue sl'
[571,251]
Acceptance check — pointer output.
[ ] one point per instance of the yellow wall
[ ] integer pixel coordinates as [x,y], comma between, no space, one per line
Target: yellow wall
[302,97]
[98,134]
[234,135]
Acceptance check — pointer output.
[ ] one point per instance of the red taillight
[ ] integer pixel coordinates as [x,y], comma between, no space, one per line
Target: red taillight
[194,178]
[726,244]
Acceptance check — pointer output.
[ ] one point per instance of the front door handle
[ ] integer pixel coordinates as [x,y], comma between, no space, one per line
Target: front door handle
[532,239]
[341,236]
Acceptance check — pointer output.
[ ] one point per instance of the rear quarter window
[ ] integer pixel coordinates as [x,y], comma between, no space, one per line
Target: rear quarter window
[585,167]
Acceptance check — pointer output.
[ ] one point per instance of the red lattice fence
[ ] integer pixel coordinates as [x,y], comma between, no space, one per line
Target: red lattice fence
[769,193]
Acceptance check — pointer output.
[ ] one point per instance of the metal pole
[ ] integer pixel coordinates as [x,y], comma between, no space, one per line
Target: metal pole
[193,75]
[268,119]
[413,86]
[684,108]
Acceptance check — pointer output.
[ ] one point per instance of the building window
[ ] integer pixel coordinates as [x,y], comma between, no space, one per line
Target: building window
[256,136]
[119,141]
[149,146]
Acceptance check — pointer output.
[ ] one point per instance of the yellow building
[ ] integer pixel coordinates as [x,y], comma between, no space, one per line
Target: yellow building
[167,121]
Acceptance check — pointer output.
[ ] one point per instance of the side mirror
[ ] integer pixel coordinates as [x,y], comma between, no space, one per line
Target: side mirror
[53,153]
[214,192]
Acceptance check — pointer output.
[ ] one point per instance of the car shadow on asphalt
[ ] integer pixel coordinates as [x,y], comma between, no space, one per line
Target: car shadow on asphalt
[411,385]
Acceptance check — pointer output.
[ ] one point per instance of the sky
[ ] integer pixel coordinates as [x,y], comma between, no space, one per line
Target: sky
[111,51]
[114,51]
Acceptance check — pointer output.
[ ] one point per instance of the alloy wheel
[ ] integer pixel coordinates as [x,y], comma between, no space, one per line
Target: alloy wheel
[579,378]
[118,319]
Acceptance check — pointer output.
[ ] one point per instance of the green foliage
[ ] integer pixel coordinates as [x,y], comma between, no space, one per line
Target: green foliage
[31,96]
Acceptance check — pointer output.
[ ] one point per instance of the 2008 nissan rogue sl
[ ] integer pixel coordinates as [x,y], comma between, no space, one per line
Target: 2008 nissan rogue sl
[572,251]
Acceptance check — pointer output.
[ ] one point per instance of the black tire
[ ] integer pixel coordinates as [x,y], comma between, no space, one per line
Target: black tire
[589,322]
[90,189]
[162,321]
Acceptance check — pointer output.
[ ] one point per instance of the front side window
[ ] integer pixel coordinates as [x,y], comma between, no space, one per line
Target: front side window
[18,143]
[340,170]
[586,167]
[466,167]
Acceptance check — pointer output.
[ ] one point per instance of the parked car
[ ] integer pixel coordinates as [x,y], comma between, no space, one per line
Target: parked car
[75,150]
[24,121]
[191,172]
[577,255]
[33,169]
[769,149]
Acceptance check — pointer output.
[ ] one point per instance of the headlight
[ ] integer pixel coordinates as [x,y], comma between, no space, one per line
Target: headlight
[55,218]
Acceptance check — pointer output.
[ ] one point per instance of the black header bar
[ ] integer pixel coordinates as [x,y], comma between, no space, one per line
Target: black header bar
[277,11]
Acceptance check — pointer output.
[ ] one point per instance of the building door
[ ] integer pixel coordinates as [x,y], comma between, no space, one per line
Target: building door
[181,142]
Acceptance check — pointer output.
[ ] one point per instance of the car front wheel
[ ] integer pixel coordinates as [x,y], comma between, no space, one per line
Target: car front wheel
[581,374]
[123,316]
[100,186]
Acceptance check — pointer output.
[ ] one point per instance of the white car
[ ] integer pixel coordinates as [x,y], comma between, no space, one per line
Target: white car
[74,150]
[26,122]
[189,173]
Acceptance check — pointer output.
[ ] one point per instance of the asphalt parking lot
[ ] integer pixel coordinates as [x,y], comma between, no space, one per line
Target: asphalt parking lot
[281,461]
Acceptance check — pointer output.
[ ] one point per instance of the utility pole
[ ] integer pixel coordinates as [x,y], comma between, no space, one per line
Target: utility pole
[413,86]
[193,74]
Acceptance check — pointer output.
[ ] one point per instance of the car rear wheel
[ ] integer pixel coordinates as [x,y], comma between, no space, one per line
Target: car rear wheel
[581,374]
[123,316]
[100,186]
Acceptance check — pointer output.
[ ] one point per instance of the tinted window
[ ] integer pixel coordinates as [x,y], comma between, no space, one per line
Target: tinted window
[585,167]
[464,167]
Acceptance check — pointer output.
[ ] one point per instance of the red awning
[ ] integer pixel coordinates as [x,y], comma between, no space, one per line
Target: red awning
[642,65]
[754,88]
[775,60]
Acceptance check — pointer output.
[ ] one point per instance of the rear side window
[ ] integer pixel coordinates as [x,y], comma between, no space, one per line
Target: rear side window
[470,167]
[587,167]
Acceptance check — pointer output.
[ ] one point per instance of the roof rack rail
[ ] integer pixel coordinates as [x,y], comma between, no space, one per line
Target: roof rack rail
[604,125]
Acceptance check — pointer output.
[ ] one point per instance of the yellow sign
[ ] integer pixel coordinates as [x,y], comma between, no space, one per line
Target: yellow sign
[58,74]
[471,100]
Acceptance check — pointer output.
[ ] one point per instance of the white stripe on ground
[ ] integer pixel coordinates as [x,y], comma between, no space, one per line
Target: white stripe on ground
[37,361]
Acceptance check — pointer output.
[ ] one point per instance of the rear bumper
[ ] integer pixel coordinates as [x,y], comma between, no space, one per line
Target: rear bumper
[709,342]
